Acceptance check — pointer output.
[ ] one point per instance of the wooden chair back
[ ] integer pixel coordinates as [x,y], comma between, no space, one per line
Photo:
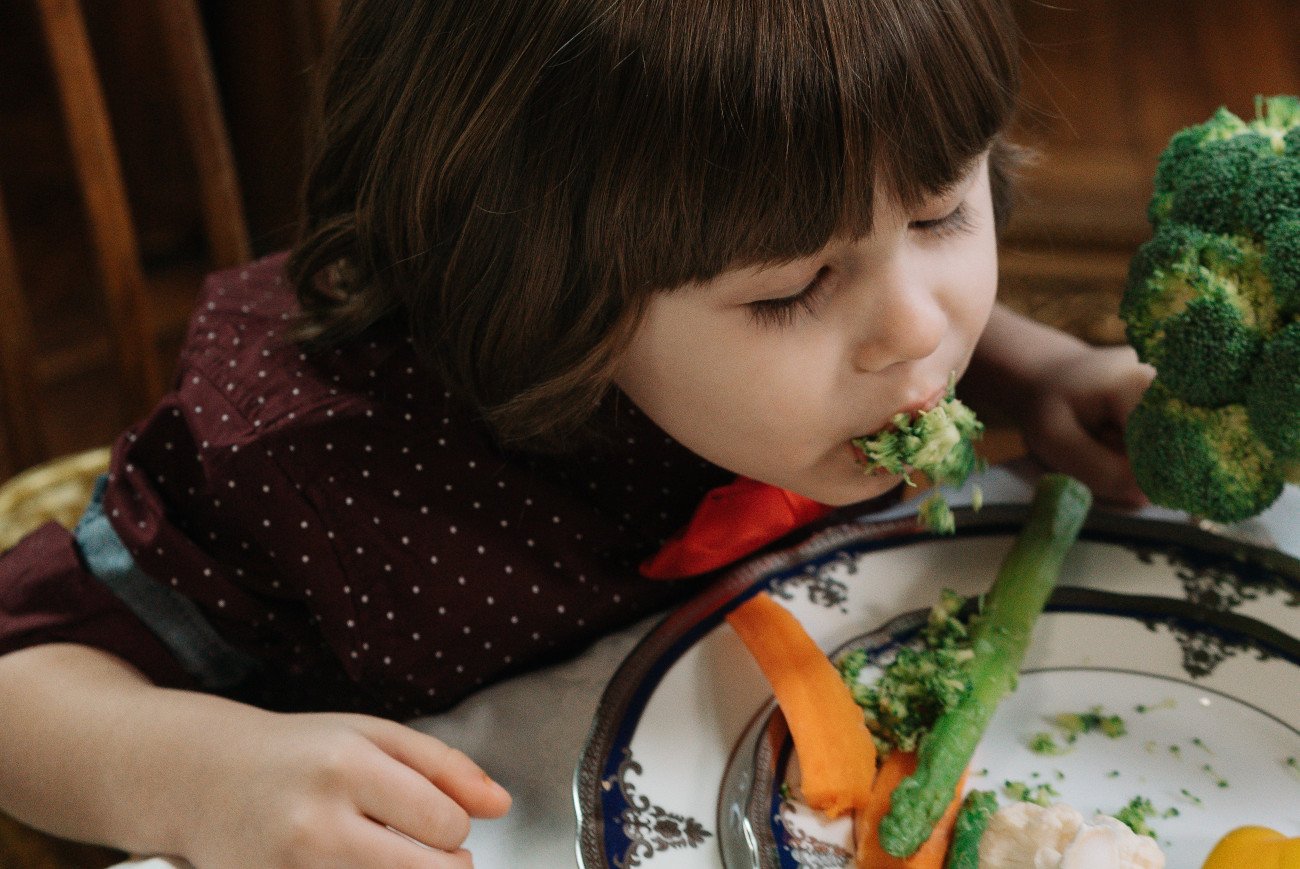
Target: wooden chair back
[108,215]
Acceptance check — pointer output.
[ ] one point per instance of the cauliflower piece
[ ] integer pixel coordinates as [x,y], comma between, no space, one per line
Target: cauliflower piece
[1029,836]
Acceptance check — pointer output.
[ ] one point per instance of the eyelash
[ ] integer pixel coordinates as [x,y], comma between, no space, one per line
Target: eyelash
[785,310]
[953,223]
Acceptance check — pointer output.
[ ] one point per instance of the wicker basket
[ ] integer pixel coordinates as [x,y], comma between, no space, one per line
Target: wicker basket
[57,490]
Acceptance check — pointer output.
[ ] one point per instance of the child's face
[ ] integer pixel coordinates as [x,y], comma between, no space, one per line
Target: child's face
[770,372]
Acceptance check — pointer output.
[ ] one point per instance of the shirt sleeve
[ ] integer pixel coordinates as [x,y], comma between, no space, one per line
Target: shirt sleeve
[48,596]
[174,568]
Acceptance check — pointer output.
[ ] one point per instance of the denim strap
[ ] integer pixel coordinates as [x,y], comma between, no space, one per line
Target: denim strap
[174,618]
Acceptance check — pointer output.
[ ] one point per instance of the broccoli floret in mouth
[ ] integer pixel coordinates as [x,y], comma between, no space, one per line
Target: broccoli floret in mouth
[937,443]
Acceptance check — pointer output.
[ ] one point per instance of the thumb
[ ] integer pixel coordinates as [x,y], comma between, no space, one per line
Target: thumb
[450,770]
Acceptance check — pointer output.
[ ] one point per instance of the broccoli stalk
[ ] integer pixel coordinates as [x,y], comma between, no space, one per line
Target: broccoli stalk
[999,638]
[1213,302]
[936,443]
[977,810]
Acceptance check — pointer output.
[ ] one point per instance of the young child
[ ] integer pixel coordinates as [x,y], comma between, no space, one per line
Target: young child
[566,266]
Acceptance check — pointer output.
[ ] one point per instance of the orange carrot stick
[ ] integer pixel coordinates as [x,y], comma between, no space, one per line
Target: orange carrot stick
[837,757]
[869,853]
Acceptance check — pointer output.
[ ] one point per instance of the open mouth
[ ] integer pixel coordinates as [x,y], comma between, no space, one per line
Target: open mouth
[911,412]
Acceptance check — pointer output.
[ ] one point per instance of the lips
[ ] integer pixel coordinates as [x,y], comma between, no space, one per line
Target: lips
[927,404]
[911,410]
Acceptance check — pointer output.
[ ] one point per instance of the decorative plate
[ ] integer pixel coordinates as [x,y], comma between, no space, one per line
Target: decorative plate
[686,757]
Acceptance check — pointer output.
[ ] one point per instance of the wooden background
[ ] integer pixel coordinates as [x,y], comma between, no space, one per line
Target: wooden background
[1107,83]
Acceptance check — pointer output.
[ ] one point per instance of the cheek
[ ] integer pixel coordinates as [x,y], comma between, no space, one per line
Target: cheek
[973,281]
[752,406]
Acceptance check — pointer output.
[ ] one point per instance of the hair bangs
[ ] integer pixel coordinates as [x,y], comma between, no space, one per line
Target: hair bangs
[511,181]
[754,133]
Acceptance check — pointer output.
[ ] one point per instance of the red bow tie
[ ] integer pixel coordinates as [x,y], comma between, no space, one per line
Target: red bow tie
[731,522]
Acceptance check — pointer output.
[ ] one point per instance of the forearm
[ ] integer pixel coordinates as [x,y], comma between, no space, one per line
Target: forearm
[92,750]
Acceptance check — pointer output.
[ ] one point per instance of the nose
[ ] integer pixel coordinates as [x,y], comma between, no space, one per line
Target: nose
[903,319]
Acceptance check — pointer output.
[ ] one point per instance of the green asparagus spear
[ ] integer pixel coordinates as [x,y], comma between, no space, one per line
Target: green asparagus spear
[973,819]
[999,638]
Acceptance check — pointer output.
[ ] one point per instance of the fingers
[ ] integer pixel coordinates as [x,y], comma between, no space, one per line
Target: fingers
[396,795]
[1070,448]
[370,844]
[451,771]
[1130,388]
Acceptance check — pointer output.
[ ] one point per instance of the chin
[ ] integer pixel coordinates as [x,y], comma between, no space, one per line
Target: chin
[842,492]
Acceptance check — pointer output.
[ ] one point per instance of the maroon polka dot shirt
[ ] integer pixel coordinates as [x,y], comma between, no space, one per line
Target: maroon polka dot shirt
[345,523]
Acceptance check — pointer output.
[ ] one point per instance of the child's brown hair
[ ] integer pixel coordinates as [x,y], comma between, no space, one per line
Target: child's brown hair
[513,178]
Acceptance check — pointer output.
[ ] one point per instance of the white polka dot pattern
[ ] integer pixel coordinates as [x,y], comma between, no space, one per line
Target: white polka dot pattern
[343,518]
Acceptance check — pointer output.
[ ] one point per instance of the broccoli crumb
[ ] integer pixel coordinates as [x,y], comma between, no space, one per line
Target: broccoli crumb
[1196,741]
[1219,780]
[919,684]
[1143,708]
[1114,773]
[935,514]
[1039,794]
[1175,751]
[1191,797]
[786,792]
[1075,723]
[1293,765]
[1171,812]
[1135,814]
[1043,743]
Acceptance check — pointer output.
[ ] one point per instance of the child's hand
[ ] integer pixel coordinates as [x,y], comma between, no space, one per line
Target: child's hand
[1070,399]
[322,790]
[1074,420]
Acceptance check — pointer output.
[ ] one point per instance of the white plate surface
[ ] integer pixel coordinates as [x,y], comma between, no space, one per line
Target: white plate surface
[1201,629]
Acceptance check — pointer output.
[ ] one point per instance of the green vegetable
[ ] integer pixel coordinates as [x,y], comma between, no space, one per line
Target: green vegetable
[1075,723]
[976,811]
[937,443]
[1043,743]
[1135,815]
[1206,461]
[999,638]
[1039,794]
[1213,301]
[919,684]
[1219,780]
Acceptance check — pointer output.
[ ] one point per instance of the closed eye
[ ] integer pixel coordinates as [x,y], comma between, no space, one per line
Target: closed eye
[783,311]
[954,222]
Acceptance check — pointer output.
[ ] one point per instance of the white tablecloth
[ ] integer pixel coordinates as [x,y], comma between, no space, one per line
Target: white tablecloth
[543,718]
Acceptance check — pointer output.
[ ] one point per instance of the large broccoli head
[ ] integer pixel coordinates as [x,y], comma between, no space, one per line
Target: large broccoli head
[1213,302]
